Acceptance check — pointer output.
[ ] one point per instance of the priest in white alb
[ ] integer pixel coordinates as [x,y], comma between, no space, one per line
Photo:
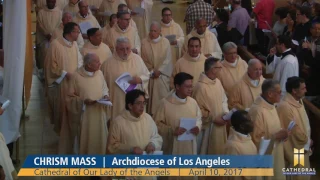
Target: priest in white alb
[63,59]
[106,29]
[156,54]
[66,18]
[285,66]
[124,61]
[143,20]
[85,18]
[110,6]
[192,62]
[170,28]
[233,67]
[123,29]
[291,108]
[213,104]
[48,19]
[176,107]
[124,7]
[267,125]
[209,43]
[41,4]
[88,117]
[72,7]
[247,89]
[96,46]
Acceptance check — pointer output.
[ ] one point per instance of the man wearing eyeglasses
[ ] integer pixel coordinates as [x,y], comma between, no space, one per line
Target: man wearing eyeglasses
[213,103]
[176,107]
[267,125]
[63,59]
[249,88]
[134,131]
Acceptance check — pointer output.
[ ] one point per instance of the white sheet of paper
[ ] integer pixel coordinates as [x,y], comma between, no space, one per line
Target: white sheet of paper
[122,82]
[228,116]
[4,102]
[187,123]
[291,125]
[105,102]
[140,11]
[106,13]
[84,26]
[171,37]
[295,42]
[264,144]
[154,153]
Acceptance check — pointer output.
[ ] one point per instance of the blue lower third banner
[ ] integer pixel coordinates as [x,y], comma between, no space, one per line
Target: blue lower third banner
[162,165]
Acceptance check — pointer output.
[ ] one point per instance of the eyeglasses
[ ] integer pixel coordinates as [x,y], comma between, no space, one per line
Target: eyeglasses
[141,103]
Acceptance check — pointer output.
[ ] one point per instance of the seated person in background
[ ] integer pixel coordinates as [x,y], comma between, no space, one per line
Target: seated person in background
[291,23]
[134,131]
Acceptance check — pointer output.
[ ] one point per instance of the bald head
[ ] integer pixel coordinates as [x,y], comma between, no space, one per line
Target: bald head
[201,25]
[254,69]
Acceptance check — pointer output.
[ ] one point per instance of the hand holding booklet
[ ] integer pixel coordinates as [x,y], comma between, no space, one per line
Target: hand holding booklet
[264,144]
[171,38]
[188,124]
[104,102]
[123,82]
[228,116]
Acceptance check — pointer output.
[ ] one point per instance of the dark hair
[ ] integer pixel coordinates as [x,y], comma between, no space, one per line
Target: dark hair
[211,61]
[69,27]
[305,10]
[131,97]
[92,31]
[120,6]
[316,7]
[223,15]
[181,77]
[293,83]
[286,40]
[112,17]
[236,1]
[194,39]
[281,12]
[165,9]
[121,13]
[293,15]
[238,118]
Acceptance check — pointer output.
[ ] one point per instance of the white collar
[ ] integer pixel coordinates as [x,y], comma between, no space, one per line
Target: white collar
[88,73]
[167,25]
[196,58]
[287,50]
[179,99]
[255,83]
[156,40]
[243,135]
[84,16]
[67,42]
[233,64]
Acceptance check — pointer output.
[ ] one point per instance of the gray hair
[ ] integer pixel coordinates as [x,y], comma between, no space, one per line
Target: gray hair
[252,62]
[155,23]
[228,45]
[122,40]
[269,85]
[87,59]
[65,14]
[209,63]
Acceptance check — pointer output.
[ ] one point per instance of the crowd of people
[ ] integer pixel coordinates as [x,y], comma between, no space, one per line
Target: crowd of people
[85,48]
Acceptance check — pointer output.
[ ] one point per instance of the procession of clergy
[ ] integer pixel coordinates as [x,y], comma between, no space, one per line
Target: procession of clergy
[181,78]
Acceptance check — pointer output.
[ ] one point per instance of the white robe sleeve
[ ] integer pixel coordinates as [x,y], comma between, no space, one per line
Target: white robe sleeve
[167,67]
[137,43]
[155,138]
[289,70]
[80,41]
[225,104]
[270,68]
[180,40]
[80,59]
[199,117]
[217,52]
[105,89]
